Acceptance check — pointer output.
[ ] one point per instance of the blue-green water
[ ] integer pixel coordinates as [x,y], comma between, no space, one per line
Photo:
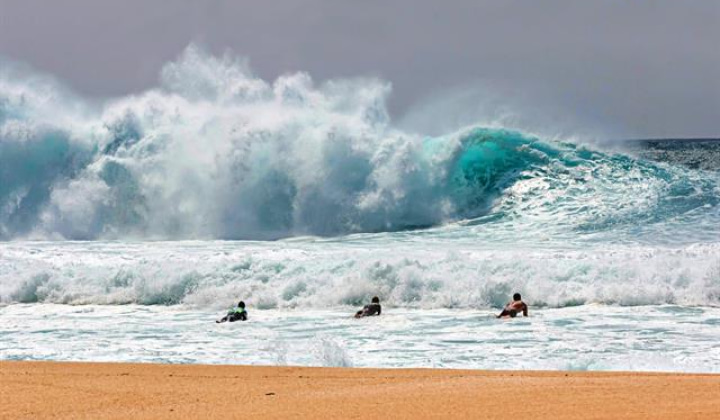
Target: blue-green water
[129,224]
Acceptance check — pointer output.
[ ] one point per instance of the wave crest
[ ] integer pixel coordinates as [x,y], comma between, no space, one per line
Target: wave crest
[216,152]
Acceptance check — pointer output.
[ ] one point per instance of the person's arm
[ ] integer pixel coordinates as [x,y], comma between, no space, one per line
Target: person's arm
[504,311]
[525,309]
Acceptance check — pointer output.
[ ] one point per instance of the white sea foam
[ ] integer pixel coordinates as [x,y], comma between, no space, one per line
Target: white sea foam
[321,274]
[593,337]
[442,228]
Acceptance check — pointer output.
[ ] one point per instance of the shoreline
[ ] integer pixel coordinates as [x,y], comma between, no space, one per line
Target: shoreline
[35,389]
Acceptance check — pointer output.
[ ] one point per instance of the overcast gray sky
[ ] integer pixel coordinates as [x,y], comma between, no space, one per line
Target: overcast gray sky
[633,68]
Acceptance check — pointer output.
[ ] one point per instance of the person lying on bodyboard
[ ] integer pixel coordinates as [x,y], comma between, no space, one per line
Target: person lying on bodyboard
[513,308]
[370,310]
[238,313]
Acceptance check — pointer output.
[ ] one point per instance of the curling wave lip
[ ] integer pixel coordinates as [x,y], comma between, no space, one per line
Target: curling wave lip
[217,153]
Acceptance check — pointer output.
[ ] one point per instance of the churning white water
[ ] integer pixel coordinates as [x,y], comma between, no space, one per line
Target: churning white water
[130,225]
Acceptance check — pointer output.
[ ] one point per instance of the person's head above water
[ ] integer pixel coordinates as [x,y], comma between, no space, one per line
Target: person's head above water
[517,297]
[241,304]
[375,299]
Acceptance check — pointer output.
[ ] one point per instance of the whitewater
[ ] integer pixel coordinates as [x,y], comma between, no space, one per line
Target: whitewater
[129,225]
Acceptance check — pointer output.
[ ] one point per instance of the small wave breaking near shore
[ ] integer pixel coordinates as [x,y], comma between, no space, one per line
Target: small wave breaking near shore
[322,275]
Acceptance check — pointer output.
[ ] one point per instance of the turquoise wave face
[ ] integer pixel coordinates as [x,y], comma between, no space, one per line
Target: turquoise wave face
[490,161]
[217,153]
[508,185]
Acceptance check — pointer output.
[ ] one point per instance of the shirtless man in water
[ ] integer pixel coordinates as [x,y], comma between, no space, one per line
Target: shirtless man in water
[514,307]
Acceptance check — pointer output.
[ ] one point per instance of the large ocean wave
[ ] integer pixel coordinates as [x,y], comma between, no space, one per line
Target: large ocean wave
[216,153]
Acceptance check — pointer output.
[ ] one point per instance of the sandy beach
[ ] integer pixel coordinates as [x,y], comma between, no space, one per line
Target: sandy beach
[120,391]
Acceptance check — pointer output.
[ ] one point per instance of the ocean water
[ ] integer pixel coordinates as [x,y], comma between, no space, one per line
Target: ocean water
[594,337]
[129,225]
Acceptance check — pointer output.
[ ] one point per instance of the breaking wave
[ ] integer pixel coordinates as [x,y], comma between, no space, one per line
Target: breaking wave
[311,275]
[216,153]
[364,208]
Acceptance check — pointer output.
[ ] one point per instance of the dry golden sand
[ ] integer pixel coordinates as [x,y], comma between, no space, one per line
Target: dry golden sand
[35,390]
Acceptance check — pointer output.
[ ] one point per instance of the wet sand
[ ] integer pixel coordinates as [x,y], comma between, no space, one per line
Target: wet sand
[32,390]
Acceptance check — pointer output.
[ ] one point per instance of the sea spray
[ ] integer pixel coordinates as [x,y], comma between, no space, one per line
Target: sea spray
[217,153]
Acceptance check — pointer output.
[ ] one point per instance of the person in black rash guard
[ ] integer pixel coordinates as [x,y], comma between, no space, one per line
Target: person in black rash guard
[237,313]
[370,310]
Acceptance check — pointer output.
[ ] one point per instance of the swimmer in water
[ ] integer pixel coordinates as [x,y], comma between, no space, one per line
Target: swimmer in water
[238,313]
[513,308]
[370,310]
